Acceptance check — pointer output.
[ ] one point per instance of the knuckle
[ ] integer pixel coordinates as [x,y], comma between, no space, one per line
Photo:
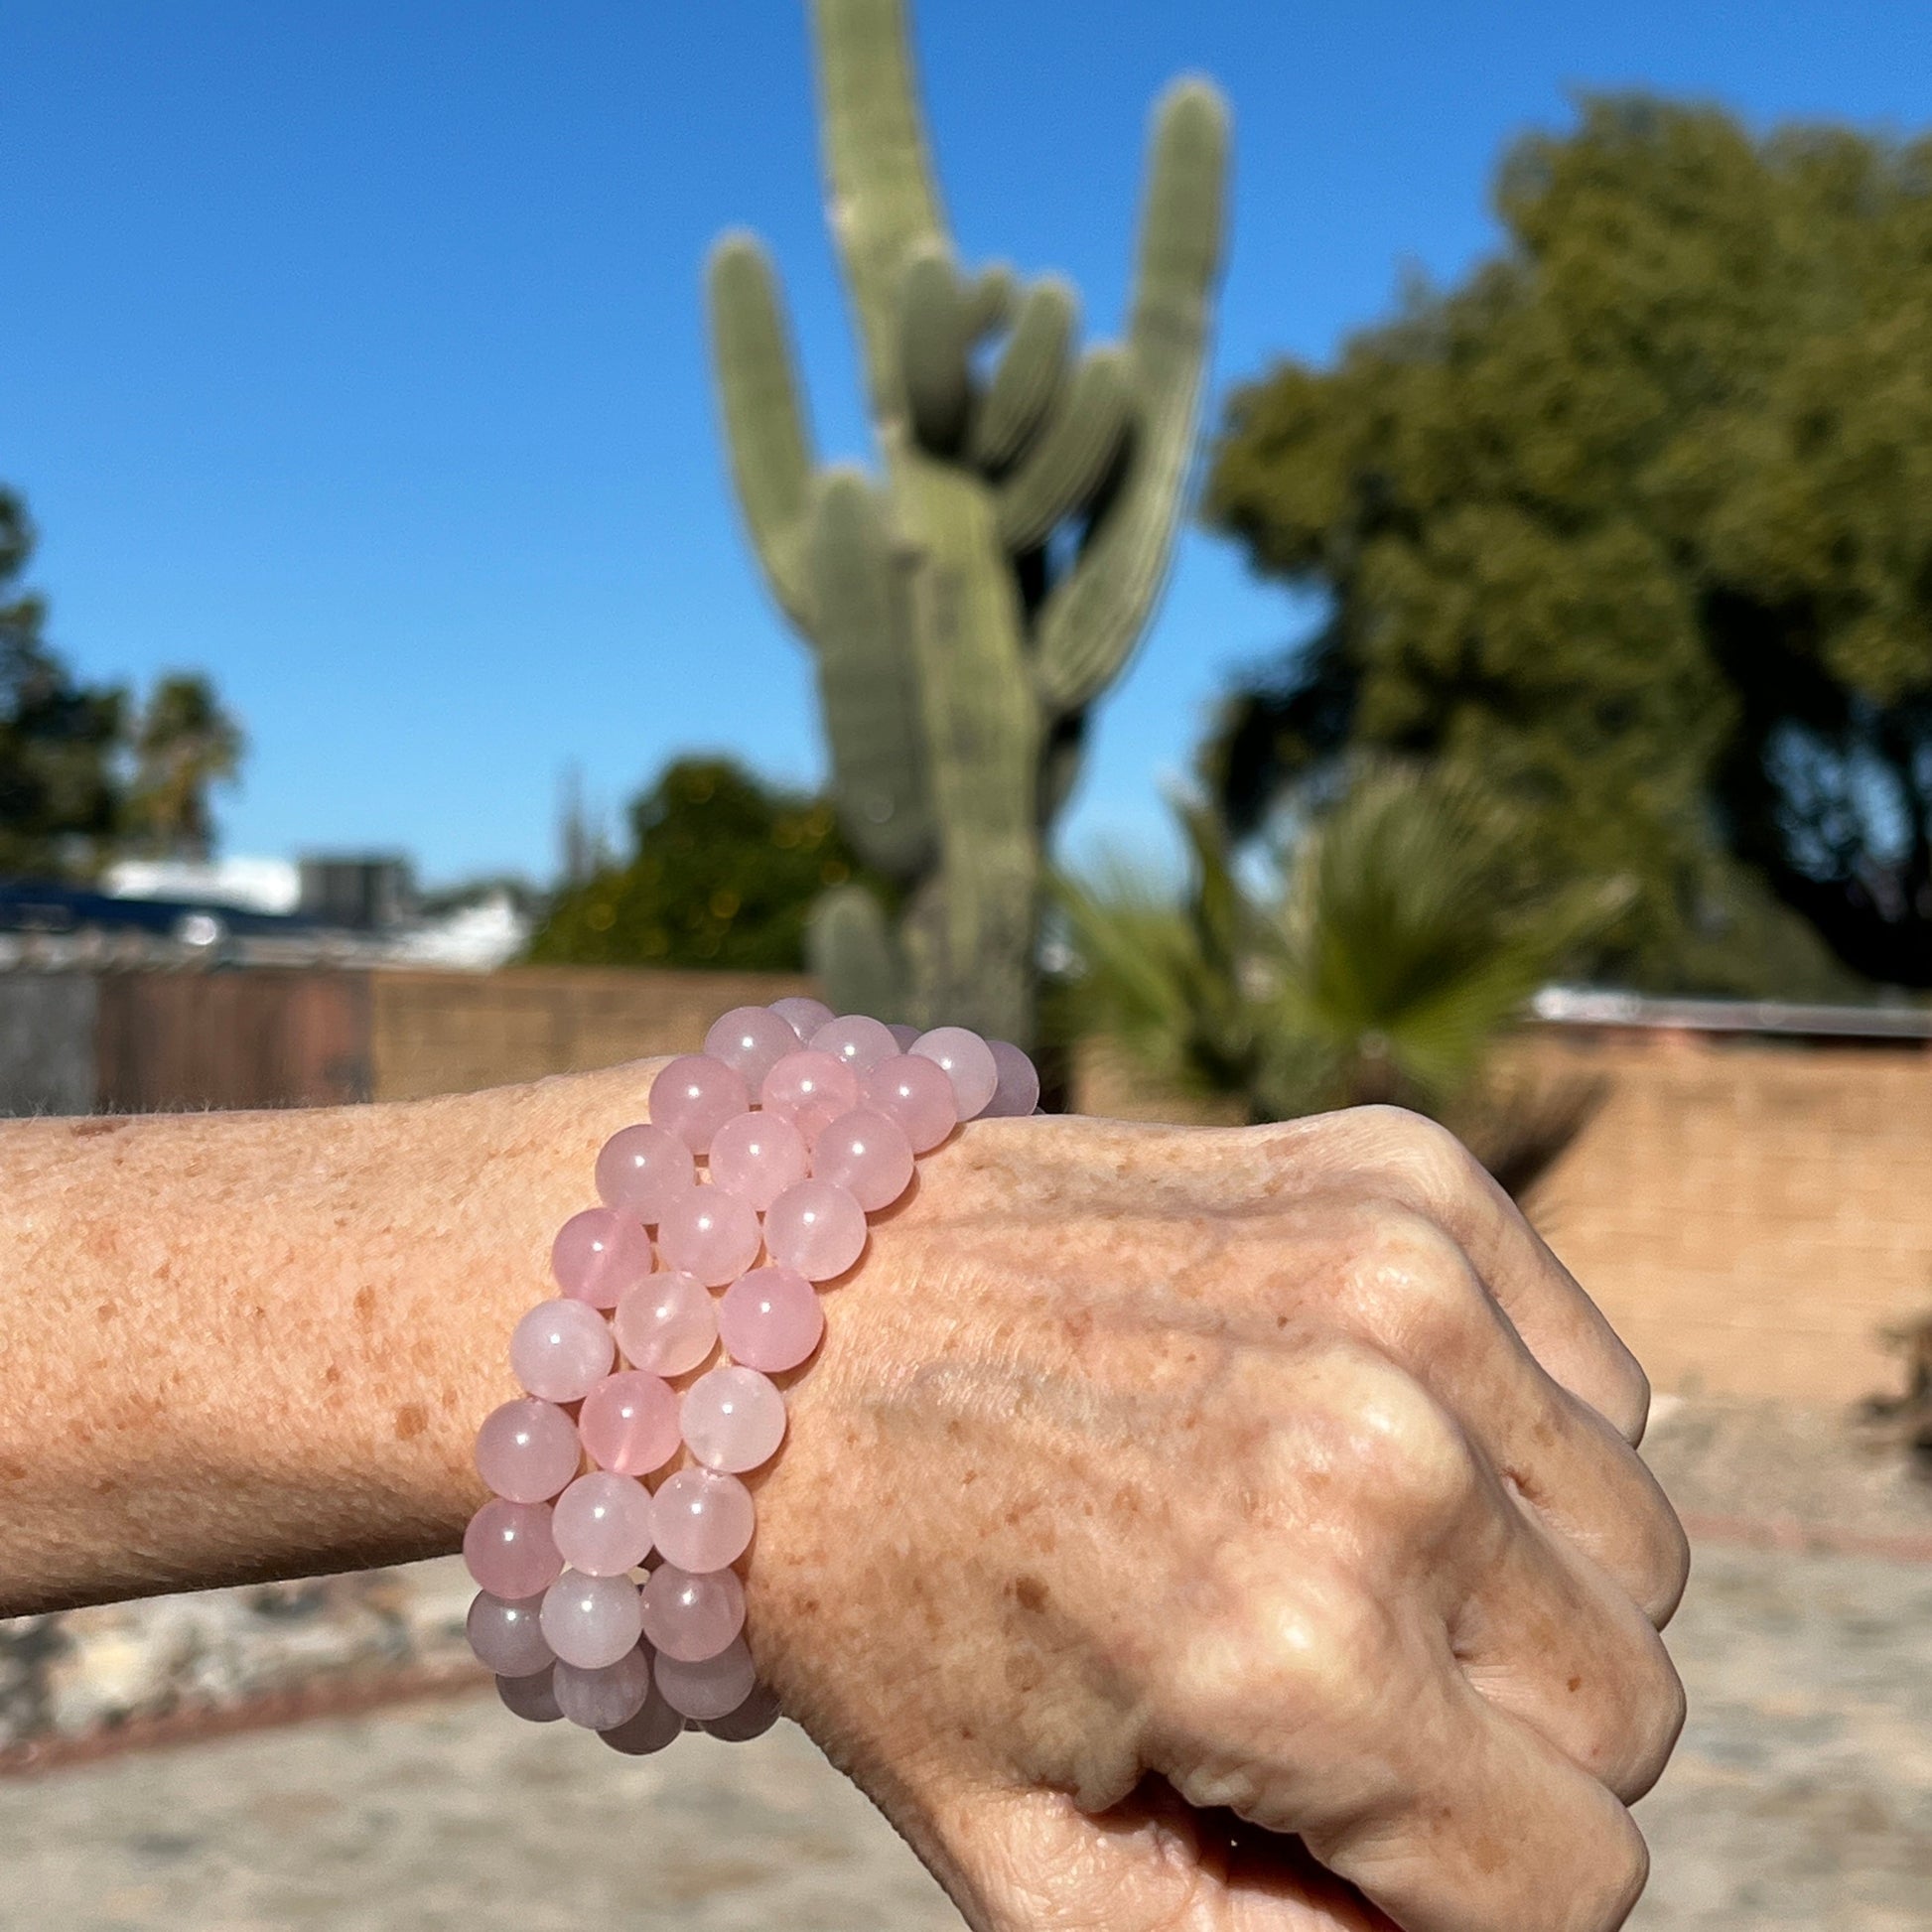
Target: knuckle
[1413,1284]
[1423,1153]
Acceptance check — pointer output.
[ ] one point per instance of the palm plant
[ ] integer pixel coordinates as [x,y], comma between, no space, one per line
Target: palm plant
[1399,942]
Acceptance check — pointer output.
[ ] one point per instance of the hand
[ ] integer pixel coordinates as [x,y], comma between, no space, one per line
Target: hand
[1160,1493]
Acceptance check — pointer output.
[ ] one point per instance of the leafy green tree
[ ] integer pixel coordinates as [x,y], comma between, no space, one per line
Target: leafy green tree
[1636,522]
[724,869]
[183,743]
[59,800]
[1403,939]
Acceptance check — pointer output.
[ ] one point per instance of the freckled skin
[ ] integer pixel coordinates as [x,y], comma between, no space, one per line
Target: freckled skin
[1179,1531]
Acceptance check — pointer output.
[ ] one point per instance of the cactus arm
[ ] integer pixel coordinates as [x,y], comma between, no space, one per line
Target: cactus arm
[1090,621]
[764,422]
[1028,377]
[1063,470]
[936,338]
[867,678]
[884,207]
[991,299]
[853,954]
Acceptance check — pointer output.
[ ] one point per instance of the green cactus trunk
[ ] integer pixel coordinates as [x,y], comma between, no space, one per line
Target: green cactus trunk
[959,644]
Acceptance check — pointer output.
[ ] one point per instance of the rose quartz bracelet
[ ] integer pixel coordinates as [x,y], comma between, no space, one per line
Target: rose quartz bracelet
[763,1157]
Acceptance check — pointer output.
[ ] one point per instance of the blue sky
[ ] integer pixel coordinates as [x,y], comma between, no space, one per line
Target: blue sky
[353,352]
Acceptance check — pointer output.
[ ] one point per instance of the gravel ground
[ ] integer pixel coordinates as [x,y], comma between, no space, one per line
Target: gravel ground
[1801,1797]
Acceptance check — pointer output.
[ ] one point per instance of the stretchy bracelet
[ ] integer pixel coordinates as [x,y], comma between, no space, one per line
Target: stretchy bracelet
[603,1599]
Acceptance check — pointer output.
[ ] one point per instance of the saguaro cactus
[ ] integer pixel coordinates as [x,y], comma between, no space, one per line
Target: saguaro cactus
[967,606]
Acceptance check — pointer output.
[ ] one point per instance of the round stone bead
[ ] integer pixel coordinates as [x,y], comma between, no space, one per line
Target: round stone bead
[602,1700]
[562,1349]
[601,1524]
[752,1039]
[732,1418]
[856,1039]
[506,1636]
[804,1017]
[758,1155]
[629,1423]
[599,1254]
[902,1035]
[809,1090]
[817,1228]
[533,1697]
[866,1154]
[691,1617]
[1018,1093]
[654,1726]
[712,1688]
[752,1719]
[642,1170]
[591,1622]
[770,1320]
[701,1520]
[694,1095]
[527,1450]
[668,1325]
[966,1061]
[711,1234]
[509,1549]
[912,1090]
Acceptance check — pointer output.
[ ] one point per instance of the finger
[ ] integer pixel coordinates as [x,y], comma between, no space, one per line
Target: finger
[1354,1730]
[1395,1279]
[1386,1152]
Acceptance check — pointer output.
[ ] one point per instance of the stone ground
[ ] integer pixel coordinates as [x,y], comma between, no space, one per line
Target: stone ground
[1801,1797]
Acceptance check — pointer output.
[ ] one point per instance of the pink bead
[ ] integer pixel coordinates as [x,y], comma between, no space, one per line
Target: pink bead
[856,1039]
[601,1524]
[817,1228]
[668,1325]
[654,1726]
[701,1520]
[808,1089]
[770,1320]
[505,1635]
[527,1450]
[629,1423]
[758,1155]
[866,1154]
[561,1351]
[732,1418]
[902,1035]
[642,1170]
[509,1549]
[532,1698]
[752,1719]
[708,1690]
[599,1252]
[591,1622]
[966,1061]
[691,1617]
[915,1092]
[752,1039]
[804,1017]
[602,1700]
[711,1234]
[1018,1093]
[693,1096]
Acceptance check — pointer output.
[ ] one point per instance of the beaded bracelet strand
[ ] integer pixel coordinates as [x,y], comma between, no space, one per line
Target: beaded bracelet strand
[763,1157]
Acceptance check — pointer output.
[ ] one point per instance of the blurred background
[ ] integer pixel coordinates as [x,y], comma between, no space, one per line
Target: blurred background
[1292,558]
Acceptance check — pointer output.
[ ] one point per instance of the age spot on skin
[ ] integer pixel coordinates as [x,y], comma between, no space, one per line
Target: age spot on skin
[1031,1593]
[366,1305]
[89,1129]
[411,1420]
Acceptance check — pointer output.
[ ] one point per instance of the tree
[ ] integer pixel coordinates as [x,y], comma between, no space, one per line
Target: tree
[59,800]
[1636,522]
[724,873]
[183,743]
[1401,940]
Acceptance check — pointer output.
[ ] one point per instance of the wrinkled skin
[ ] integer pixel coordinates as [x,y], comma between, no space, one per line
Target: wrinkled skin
[1214,1530]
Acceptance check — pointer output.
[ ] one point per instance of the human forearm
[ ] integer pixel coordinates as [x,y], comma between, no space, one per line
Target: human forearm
[248,1345]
